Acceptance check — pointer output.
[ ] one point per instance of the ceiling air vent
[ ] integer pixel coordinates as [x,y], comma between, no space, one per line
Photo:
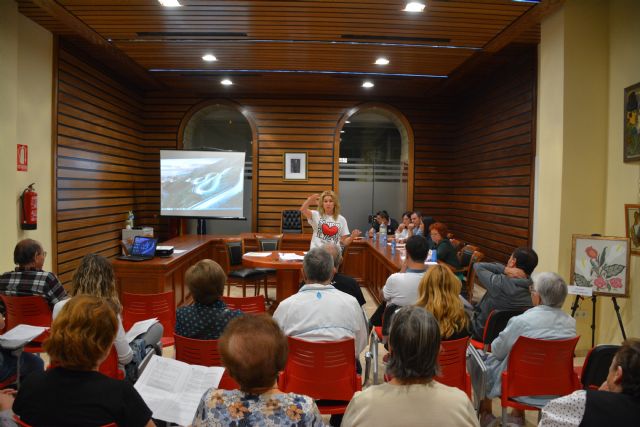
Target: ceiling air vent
[394,38]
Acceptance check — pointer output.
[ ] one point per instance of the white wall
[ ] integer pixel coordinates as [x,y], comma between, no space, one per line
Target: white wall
[26,61]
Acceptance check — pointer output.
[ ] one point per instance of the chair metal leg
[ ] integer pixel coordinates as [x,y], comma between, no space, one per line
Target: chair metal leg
[504,416]
[374,354]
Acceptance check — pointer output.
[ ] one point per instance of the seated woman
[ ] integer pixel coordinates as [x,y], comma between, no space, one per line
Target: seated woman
[439,293]
[412,397]
[402,232]
[207,317]
[545,320]
[445,250]
[382,217]
[95,276]
[74,392]
[617,403]
[258,402]
[29,362]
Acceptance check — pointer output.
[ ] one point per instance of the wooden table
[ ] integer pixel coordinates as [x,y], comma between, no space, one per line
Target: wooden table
[287,272]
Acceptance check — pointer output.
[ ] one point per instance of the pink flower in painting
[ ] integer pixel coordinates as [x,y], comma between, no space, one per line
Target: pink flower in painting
[616,282]
[591,253]
[600,282]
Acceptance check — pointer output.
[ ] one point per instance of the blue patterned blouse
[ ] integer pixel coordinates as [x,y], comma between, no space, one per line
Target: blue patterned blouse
[204,322]
[235,408]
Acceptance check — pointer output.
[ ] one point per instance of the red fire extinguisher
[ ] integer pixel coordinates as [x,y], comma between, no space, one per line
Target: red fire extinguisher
[29,202]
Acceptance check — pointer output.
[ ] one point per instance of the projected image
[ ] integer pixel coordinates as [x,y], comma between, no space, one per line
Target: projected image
[209,186]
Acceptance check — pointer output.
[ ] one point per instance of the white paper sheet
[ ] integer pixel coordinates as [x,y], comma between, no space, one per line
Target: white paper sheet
[20,335]
[258,254]
[139,328]
[290,257]
[173,389]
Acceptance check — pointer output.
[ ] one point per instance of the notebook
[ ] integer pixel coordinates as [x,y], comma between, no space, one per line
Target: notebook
[143,248]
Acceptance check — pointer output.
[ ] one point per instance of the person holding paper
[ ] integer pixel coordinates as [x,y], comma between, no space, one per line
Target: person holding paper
[254,350]
[327,223]
[74,392]
[29,362]
[207,317]
[95,276]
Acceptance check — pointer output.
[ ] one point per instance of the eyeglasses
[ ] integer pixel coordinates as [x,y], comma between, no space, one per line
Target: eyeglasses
[44,254]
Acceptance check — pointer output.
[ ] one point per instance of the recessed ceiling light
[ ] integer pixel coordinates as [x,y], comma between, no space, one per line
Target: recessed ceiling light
[341,131]
[382,61]
[226,82]
[347,121]
[414,6]
[209,57]
[170,3]
[368,84]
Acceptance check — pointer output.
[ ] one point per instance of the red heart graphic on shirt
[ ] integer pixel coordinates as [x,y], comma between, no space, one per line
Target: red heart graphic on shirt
[329,231]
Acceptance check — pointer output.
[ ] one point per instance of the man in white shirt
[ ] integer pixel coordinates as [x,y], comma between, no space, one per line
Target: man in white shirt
[320,312]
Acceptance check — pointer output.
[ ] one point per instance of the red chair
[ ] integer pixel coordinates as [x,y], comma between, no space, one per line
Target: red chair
[252,305]
[204,353]
[538,368]
[110,366]
[28,310]
[453,365]
[136,307]
[323,371]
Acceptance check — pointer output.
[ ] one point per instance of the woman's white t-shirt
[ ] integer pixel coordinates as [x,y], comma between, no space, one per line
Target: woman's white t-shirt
[326,229]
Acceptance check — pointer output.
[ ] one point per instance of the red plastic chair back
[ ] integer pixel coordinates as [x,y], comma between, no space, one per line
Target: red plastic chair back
[539,368]
[110,366]
[29,310]
[204,353]
[453,365]
[136,307]
[321,370]
[250,305]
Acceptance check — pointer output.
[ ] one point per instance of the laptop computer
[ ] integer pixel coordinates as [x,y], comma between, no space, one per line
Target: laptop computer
[143,248]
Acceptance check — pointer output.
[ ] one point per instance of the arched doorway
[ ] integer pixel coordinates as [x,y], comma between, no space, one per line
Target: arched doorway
[375,163]
[224,126]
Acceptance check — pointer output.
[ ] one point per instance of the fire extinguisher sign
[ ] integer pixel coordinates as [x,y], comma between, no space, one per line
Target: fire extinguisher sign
[23,157]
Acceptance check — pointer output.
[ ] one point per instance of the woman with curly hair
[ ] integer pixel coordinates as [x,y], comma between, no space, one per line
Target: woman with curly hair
[95,276]
[439,293]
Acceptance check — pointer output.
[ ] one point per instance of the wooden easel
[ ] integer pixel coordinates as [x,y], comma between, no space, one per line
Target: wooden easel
[616,307]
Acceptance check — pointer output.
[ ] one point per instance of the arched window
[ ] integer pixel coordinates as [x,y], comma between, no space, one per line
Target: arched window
[221,126]
[375,147]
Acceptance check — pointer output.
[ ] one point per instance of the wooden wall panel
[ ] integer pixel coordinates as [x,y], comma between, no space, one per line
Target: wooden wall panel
[100,163]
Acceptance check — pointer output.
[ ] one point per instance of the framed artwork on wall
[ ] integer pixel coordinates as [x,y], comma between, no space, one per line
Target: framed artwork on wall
[632,224]
[295,166]
[631,146]
[601,263]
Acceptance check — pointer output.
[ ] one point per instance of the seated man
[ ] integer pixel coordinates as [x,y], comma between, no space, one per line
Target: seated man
[29,278]
[382,217]
[507,287]
[342,282]
[545,321]
[402,288]
[320,312]
[616,403]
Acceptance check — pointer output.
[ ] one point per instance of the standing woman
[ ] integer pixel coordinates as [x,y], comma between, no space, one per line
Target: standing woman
[327,223]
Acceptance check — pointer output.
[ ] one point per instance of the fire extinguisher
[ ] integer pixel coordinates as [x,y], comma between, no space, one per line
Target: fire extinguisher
[29,202]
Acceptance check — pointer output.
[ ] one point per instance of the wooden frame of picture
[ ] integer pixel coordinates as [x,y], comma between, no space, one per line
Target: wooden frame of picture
[601,263]
[295,166]
[632,227]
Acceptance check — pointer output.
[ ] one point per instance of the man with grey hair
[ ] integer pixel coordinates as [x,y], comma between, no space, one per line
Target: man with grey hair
[545,320]
[320,312]
[342,282]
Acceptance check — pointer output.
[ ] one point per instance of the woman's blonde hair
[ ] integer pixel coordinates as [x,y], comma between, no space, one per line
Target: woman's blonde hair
[95,276]
[82,334]
[336,201]
[439,293]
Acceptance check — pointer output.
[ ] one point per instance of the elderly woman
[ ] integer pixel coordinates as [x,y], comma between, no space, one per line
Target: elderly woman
[95,276]
[412,397]
[545,320]
[258,402]
[617,403]
[74,392]
[207,317]
[445,250]
[439,293]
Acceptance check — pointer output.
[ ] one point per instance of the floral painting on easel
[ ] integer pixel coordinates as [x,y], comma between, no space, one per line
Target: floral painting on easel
[601,263]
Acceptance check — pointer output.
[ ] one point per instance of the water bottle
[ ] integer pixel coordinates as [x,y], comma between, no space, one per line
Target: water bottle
[434,255]
[393,247]
[374,236]
[383,230]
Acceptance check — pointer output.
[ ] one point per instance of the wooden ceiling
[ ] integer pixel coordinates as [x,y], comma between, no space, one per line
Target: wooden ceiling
[294,47]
